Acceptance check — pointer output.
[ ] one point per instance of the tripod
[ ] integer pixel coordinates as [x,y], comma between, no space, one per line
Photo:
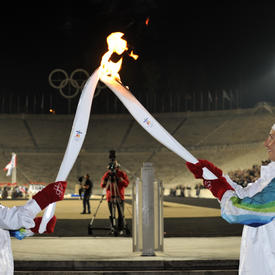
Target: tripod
[90,226]
[118,224]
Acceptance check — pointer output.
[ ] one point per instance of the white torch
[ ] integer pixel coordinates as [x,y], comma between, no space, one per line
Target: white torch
[108,73]
[81,120]
[149,123]
[76,140]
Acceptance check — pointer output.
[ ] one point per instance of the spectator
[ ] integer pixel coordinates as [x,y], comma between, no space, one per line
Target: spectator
[81,189]
[188,188]
[182,188]
[88,188]
[243,177]
[5,193]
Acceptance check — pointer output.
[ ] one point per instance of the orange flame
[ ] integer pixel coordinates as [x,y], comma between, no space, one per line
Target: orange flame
[115,45]
[135,56]
[147,21]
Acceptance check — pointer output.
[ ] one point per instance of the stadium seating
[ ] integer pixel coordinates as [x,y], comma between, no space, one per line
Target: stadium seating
[231,139]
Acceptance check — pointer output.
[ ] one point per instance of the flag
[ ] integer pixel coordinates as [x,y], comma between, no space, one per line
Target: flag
[12,164]
[22,189]
[225,95]
[210,97]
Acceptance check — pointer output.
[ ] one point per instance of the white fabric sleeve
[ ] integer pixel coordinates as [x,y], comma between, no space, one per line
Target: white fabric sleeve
[253,211]
[19,216]
[250,190]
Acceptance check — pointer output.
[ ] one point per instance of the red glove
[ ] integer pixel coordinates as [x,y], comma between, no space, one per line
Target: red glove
[218,186]
[51,193]
[196,169]
[50,225]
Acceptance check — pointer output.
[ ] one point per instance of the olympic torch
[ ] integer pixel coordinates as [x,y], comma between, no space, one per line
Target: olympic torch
[150,124]
[81,120]
[76,140]
[108,74]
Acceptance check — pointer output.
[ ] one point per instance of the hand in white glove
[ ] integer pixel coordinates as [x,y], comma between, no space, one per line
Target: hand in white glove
[17,217]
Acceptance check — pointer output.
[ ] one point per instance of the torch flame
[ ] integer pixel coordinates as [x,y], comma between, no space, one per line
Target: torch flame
[135,56]
[115,45]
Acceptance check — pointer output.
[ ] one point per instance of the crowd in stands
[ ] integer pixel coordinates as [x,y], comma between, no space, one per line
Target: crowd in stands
[242,177]
[185,191]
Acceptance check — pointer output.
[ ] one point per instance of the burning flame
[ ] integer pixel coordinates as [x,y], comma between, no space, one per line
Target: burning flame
[147,21]
[135,56]
[115,45]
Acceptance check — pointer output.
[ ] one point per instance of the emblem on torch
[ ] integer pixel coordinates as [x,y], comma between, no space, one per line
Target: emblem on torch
[148,122]
[58,189]
[78,134]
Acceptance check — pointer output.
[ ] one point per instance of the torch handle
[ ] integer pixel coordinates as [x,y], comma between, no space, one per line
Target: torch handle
[208,175]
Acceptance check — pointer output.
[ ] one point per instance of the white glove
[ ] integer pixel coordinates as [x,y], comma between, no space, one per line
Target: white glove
[19,216]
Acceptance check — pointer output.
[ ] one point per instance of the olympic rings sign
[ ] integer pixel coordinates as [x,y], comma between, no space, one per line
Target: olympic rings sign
[68,86]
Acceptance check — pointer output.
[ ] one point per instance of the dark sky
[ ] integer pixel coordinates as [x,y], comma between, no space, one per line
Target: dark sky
[188,45]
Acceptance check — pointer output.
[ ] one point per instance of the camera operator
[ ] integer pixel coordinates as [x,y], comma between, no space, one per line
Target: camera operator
[115,181]
[88,187]
[81,189]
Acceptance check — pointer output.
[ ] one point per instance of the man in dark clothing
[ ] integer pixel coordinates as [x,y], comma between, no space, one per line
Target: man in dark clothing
[81,190]
[88,187]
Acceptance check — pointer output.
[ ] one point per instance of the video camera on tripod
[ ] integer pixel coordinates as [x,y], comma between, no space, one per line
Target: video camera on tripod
[110,182]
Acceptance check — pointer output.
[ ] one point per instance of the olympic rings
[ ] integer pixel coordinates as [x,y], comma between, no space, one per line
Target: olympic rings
[71,83]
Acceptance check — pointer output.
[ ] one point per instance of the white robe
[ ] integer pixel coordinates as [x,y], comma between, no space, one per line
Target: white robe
[254,206]
[12,219]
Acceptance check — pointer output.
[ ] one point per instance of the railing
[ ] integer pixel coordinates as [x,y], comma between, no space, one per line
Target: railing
[51,102]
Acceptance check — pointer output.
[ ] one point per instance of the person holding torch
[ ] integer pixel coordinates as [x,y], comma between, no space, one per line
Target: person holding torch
[252,206]
[21,221]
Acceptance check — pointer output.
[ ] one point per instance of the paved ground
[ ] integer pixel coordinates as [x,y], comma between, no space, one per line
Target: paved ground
[195,238]
[102,248]
[115,255]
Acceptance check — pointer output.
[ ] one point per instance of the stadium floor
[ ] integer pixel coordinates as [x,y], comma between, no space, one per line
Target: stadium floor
[183,217]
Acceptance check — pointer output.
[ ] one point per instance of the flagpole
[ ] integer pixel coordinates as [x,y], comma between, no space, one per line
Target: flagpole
[13,176]
[13,173]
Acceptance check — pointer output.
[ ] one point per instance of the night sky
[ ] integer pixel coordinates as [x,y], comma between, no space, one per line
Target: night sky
[185,47]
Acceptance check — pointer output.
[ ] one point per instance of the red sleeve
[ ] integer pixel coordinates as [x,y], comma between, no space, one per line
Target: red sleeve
[103,180]
[124,177]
